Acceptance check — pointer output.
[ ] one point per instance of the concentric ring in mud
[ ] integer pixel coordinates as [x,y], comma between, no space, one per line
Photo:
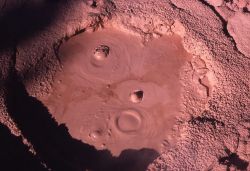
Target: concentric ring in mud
[128,121]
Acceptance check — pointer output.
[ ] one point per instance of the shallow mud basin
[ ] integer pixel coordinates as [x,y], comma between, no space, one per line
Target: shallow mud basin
[115,85]
[118,92]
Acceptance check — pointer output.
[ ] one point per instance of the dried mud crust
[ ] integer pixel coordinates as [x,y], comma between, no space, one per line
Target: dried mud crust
[212,129]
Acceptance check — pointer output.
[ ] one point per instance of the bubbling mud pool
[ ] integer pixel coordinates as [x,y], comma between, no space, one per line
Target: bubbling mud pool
[117,93]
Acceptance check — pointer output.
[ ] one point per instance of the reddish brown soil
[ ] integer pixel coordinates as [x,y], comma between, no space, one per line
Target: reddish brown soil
[124,85]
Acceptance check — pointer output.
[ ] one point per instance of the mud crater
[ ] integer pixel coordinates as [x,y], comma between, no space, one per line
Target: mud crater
[117,92]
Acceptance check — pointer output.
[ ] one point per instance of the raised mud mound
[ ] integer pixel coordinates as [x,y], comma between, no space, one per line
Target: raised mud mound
[124,85]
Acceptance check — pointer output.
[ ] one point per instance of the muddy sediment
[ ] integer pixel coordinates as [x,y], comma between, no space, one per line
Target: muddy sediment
[95,96]
[125,85]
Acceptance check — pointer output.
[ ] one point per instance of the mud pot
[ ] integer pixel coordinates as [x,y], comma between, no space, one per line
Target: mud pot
[124,85]
[117,92]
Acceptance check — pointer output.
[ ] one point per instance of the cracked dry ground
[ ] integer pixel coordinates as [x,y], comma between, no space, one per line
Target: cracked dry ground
[102,85]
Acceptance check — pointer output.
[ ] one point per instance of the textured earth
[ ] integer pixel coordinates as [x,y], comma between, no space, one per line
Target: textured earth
[124,85]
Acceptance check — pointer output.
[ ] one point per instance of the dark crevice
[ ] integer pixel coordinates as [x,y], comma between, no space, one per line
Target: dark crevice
[94,4]
[204,119]
[233,159]
[206,87]
[175,7]
[79,31]
[139,94]
[245,10]
[224,22]
[56,47]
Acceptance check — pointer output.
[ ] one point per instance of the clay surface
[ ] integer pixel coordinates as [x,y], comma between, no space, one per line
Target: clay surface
[95,94]
[124,85]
